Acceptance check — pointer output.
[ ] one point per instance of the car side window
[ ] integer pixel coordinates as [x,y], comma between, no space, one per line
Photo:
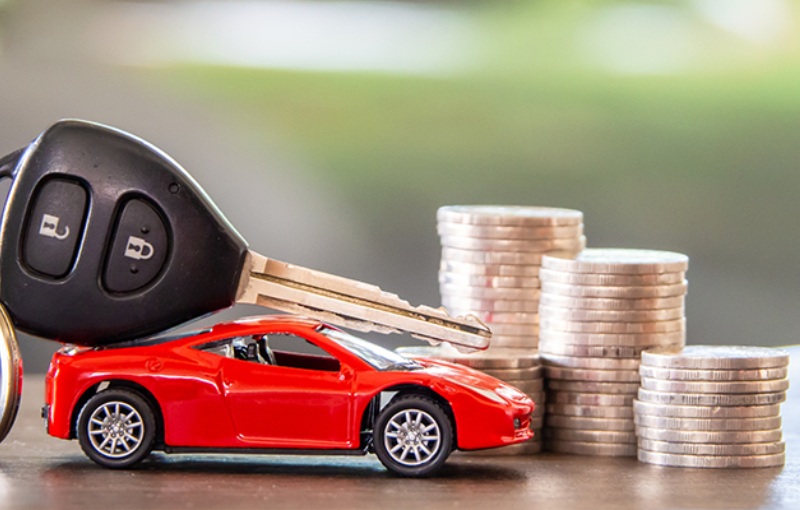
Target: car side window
[220,348]
[243,348]
[277,349]
[296,352]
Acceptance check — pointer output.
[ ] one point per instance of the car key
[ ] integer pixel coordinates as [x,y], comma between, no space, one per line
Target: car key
[105,238]
[10,374]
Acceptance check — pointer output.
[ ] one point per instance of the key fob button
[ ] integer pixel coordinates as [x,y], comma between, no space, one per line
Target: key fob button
[55,224]
[139,248]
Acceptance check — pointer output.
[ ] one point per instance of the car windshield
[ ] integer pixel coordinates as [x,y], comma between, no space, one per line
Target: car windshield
[375,355]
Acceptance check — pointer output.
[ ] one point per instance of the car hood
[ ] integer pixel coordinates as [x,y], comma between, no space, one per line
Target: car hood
[462,375]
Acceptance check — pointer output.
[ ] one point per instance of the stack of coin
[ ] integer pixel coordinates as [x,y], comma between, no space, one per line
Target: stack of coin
[517,367]
[712,406]
[599,310]
[490,264]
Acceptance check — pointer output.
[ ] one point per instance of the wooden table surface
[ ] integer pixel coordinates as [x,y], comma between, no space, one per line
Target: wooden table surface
[38,472]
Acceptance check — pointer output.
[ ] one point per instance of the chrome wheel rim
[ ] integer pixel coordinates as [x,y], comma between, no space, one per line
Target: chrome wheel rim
[116,429]
[412,437]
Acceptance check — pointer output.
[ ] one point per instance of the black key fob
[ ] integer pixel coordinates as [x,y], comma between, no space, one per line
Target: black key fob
[105,238]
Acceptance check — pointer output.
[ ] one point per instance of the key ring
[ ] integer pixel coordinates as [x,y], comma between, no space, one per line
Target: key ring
[10,374]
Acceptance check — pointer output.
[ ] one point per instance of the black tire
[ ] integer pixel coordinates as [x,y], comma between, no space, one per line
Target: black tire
[413,436]
[117,428]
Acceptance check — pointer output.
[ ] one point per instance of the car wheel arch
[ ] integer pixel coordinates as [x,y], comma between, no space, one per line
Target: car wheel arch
[118,383]
[374,407]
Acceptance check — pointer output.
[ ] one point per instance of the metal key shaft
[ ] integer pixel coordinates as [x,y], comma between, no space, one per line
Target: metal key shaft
[351,304]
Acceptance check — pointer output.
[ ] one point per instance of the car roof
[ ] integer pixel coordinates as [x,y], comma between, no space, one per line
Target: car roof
[221,329]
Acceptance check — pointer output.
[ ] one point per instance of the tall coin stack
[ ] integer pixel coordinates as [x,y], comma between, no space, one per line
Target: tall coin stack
[490,264]
[712,406]
[518,367]
[490,268]
[599,311]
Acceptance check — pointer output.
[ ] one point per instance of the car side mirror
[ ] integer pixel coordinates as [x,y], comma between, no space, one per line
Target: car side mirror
[346,373]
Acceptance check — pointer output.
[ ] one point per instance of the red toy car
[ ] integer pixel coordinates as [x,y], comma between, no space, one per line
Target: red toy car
[276,384]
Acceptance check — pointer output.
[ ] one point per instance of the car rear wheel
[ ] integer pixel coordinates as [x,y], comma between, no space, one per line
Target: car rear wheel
[413,436]
[117,428]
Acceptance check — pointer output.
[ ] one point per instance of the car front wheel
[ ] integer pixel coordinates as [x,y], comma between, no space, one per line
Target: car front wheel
[413,436]
[117,428]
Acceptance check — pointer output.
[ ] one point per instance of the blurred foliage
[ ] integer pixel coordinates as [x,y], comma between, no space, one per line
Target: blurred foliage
[665,160]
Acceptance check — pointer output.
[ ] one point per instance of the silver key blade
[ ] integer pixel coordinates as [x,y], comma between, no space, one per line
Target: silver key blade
[352,304]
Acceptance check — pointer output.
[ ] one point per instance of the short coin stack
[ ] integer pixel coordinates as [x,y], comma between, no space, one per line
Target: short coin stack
[490,264]
[712,406]
[599,311]
[517,367]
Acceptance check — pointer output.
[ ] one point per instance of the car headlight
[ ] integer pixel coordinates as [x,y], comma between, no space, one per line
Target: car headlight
[510,393]
[491,395]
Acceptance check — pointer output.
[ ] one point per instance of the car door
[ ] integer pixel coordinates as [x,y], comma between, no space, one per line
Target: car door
[292,405]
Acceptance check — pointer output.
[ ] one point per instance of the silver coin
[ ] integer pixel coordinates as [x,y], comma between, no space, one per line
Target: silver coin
[770,386]
[591,436]
[590,411]
[626,316]
[508,293]
[491,317]
[701,461]
[526,448]
[588,399]
[593,303]
[532,335]
[588,448]
[580,422]
[660,326]
[710,399]
[526,258]
[523,374]
[686,411]
[515,341]
[717,357]
[589,363]
[710,436]
[450,266]
[481,281]
[513,329]
[457,304]
[614,280]
[510,215]
[538,398]
[613,388]
[531,386]
[713,449]
[684,374]
[521,245]
[615,339]
[614,292]
[609,351]
[582,374]
[487,306]
[619,260]
[444,228]
[492,358]
[661,422]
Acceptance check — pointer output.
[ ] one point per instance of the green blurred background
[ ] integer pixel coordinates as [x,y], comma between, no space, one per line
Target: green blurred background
[330,132]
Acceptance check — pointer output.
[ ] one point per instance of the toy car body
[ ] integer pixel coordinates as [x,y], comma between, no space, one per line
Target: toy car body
[232,389]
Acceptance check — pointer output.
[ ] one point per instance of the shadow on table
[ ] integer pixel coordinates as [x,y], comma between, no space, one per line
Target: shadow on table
[235,482]
[552,481]
[280,465]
